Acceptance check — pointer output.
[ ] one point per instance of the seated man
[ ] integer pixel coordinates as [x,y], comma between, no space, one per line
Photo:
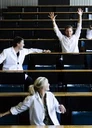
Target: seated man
[89,33]
[69,41]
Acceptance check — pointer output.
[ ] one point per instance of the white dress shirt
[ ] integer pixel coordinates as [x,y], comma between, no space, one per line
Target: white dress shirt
[68,44]
[10,59]
[36,108]
[89,34]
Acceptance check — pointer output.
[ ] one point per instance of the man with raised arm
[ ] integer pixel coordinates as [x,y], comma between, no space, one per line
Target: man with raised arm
[69,41]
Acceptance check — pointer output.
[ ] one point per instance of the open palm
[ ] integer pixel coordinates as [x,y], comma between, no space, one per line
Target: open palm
[52,16]
[80,11]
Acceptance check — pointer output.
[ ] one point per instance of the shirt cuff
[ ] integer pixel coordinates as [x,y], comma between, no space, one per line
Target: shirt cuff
[13,111]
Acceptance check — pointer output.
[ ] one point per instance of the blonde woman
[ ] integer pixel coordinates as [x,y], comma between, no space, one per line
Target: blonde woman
[41,103]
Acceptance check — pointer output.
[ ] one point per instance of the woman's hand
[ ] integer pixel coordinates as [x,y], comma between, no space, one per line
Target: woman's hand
[62,109]
[1,115]
[5,113]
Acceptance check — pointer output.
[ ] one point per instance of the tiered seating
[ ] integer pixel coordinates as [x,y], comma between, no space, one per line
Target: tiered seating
[13,83]
[32,23]
[23,19]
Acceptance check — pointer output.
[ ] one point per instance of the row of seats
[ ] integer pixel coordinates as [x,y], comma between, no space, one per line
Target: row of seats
[79,79]
[29,33]
[38,23]
[52,44]
[46,8]
[72,104]
[50,61]
[44,16]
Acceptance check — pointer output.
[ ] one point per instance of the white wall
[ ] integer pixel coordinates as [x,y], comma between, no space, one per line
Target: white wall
[5,3]
[80,2]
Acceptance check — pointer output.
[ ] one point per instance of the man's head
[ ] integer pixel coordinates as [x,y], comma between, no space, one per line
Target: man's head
[18,42]
[68,30]
[90,27]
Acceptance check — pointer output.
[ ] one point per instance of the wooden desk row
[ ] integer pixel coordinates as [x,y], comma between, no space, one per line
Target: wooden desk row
[49,6]
[41,39]
[51,126]
[57,94]
[41,20]
[62,53]
[43,12]
[53,71]
[24,29]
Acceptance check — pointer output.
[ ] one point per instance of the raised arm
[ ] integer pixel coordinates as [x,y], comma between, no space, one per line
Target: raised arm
[79,26]
[52,17]
[80,12]
[55,27]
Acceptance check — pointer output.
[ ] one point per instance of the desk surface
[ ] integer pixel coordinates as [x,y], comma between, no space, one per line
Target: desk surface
[58,94]
[71,126]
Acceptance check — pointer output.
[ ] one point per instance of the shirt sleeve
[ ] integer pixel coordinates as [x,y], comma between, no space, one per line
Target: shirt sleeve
[78,30]
[56,103]
[57,31]
[33,50]
[22,106]
[2,56]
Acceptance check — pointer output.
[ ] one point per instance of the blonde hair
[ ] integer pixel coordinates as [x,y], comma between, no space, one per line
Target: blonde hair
[39,83]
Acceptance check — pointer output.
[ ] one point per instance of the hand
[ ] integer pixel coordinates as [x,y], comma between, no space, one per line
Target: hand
[52,16]
[62,109]
[80,11]
[46,51]
[1,115]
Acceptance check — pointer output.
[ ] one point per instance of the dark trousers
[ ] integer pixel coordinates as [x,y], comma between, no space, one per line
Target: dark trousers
[60,66]
[28,81]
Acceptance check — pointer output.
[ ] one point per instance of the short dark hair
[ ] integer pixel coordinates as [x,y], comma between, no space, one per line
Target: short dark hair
[16,40]
[68,26]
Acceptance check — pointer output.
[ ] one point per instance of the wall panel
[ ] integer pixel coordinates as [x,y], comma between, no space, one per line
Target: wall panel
[80,2]
[5,3]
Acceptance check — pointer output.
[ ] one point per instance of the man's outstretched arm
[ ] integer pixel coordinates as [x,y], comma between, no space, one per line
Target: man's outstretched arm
[79,26]
[80,12]
[55,27]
